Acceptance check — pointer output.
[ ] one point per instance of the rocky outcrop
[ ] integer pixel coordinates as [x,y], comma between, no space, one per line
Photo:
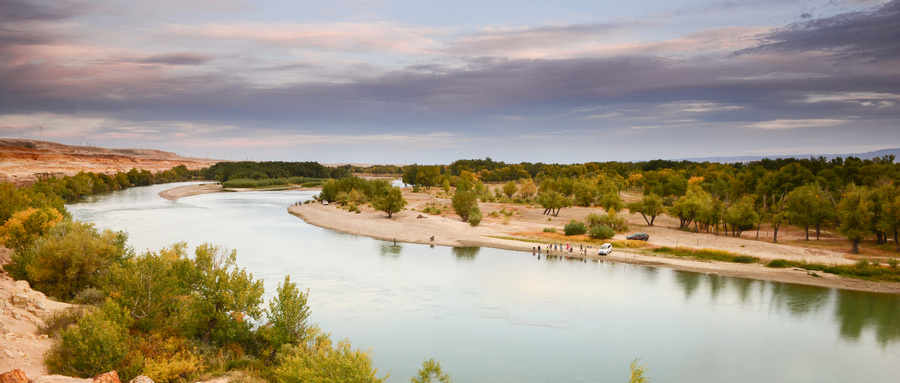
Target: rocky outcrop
[22,311]
[18,376]
[14,376]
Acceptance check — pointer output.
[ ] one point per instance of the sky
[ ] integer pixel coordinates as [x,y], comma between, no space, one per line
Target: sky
[430,82]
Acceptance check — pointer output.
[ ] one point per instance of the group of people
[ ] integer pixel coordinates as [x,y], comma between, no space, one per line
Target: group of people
[567,248]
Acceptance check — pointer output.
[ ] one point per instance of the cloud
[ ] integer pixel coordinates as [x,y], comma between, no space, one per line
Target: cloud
[870,35]
[796,124]
[15,11]
[337,37]
[184,58]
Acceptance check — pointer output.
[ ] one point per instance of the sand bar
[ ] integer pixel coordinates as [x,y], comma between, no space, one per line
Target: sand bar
[448,230]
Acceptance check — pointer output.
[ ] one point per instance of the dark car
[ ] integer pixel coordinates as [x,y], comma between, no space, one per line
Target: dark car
[638,236]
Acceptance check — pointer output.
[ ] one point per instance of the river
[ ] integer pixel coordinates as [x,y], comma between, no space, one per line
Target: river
[492,315]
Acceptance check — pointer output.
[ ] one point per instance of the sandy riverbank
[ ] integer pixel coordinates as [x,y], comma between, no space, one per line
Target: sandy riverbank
[526,225]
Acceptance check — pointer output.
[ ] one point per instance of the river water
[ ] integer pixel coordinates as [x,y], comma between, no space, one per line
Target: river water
[500,316]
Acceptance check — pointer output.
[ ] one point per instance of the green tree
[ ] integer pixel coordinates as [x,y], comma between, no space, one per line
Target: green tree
[287,315]
[808,205]
[12,200]
[741,216]
[553,202]
[430,373]
[316,360]
[154,287]
[510,189]
[888,221]
[98,343]
[390,202]
[650,205]
[855,213]
[689,206]
[69,258]
[222,294]
[463,201]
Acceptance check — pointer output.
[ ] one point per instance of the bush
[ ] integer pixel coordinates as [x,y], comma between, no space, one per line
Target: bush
[601,232]
[475,216]
[98,343]
[781,263]
[549,229]
[575,228]
[744,259]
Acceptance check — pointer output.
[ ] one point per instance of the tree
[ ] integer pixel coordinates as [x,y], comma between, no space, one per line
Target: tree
[463,201]
[855,213]
[585,193]
[287,315]
[528,188]
[316,360]
[12,200]
[689,206]
[741,216]
[510,188]
[222,294]
[98,343]
[390,202]
[553,202]
[808,205]
[650,204]
[70,257]
[889,219]
[25,226]
[430,373]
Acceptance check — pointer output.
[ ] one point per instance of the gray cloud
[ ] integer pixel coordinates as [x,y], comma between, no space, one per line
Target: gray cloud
[43,10]
[183,58]
[872,35]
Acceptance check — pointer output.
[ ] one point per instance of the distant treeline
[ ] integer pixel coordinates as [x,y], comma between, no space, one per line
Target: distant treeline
[225,171]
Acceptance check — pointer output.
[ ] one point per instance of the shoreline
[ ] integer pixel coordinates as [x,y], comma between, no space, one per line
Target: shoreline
[410,226]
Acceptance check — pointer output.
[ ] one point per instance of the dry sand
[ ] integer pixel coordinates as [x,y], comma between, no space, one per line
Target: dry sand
[527,223]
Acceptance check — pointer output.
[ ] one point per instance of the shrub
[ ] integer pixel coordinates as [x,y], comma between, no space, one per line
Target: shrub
[781,263]
[575,228]
[744,259]
[475,216]
[862,264]
[98,343]
[601,232]
[893,263]
[549,229]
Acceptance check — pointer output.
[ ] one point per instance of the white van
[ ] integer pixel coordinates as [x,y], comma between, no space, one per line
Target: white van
[605,249]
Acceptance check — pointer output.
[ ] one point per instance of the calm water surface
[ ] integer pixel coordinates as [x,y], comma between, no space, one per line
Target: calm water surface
[499,316]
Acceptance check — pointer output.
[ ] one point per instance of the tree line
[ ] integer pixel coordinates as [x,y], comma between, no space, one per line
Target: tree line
[859,198]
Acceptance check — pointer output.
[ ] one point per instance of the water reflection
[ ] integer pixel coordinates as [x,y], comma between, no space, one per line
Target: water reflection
[688,281]
[391,249]
[857,311]
[798,300]
[467,253]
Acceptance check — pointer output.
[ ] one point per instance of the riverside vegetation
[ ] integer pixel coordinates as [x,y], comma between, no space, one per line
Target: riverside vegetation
[164,314]
[173,316]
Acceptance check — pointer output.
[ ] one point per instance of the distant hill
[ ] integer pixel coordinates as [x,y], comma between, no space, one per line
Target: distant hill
[864,156]
[25,161]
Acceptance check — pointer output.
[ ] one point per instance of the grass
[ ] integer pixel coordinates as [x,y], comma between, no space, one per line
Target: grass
[706,254]
[862,269]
